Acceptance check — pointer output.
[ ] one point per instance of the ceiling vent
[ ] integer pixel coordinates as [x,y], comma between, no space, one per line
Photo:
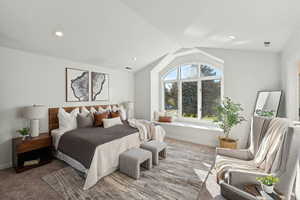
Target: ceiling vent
[267,44]
[128,68]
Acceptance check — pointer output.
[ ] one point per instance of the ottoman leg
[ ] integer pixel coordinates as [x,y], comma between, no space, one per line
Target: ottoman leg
[155,158]
[163,153]
[136,171]
[147,164]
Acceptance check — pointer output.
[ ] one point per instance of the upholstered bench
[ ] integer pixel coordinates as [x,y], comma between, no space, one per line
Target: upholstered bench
[157,148]
[131,160]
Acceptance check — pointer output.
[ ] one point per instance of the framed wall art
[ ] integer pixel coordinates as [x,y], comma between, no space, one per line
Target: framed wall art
[100,86]
[77,85]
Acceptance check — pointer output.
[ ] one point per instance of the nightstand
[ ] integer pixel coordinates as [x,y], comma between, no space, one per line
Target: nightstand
[37,148]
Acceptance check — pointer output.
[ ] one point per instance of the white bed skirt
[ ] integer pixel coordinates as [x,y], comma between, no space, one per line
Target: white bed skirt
[105,160]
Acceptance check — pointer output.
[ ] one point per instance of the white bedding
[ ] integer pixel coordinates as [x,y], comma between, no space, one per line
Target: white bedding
[105,160]
[106,157]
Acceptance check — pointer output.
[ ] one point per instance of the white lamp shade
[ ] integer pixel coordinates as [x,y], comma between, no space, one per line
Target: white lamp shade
[35,112]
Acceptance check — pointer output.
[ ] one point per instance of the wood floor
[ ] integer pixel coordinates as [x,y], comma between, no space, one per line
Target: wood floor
[28,185]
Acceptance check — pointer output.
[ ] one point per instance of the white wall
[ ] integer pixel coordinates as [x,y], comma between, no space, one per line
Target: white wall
[245,73]
[27,79]
[143,90]
[290,62]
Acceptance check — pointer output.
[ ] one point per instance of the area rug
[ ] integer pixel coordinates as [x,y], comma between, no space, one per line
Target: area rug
[174,178]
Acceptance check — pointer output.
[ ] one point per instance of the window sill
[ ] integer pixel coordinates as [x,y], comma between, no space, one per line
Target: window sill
[199,125]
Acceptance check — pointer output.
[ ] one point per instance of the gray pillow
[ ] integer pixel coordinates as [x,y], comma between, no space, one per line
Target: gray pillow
[84,120]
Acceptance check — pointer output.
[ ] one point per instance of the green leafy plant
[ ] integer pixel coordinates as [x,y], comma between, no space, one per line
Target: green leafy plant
[265,113]
[228,114]
[24,131]
[268,180]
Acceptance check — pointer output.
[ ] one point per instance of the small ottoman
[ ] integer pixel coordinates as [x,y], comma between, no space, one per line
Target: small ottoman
[131,160]
[157,148]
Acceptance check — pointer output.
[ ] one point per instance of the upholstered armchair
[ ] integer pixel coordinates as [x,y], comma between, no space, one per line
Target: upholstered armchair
[225,157]
[284,167]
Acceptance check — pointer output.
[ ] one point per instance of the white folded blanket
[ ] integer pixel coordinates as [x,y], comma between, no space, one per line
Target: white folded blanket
[148,130]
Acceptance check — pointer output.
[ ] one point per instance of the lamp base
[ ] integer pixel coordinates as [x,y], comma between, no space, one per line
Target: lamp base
[34,128]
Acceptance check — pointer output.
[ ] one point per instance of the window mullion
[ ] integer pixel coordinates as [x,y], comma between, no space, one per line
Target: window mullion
[163,95]
[199,99]
[180,98]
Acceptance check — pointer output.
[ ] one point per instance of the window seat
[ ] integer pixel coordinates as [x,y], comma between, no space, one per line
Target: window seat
[199,125]
[200,132]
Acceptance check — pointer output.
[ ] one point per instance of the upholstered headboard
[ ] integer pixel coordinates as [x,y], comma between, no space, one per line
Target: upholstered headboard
[53,119]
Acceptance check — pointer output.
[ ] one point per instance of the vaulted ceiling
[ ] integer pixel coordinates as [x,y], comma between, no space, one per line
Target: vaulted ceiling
[111,33]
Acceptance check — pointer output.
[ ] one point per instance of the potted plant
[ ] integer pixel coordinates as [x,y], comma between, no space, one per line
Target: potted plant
[24,132]
[267,183]
[228,114]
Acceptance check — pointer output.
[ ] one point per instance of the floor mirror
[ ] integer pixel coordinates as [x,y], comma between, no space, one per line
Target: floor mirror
[267,103]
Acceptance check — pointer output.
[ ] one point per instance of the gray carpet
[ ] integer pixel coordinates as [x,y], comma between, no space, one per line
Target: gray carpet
[174,178]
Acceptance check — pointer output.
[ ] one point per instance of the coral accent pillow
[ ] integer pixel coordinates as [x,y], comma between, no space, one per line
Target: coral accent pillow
[165,119]
[98,118]
[114,114]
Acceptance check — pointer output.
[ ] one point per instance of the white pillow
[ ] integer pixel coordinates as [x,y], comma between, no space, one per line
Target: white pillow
[103,110]
[121,110]
[123,113]
[84,111]
[112,122]
[67,121]
[93,110]
[115,109]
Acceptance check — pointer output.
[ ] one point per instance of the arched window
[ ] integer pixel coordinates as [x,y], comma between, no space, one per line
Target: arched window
[192,91]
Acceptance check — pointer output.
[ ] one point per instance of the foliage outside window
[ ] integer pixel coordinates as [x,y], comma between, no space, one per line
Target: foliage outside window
[192,91]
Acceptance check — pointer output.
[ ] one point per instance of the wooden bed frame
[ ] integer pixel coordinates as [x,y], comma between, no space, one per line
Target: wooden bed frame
[53,119]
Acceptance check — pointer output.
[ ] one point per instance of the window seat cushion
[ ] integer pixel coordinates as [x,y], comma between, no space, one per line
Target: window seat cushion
[200,125]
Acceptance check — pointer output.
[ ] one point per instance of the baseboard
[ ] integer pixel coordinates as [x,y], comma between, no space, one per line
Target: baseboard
[5,165]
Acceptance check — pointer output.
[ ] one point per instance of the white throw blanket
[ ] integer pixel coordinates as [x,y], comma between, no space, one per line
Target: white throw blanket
[271,144]
[297,186]
[267,157]
[148,130]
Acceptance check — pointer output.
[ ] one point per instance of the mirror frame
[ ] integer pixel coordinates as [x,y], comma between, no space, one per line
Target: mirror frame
[269,91]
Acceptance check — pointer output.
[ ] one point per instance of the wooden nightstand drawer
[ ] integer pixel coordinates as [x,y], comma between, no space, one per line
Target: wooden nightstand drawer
[33,145]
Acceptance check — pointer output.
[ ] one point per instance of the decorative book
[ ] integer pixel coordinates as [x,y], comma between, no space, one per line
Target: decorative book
[31,162]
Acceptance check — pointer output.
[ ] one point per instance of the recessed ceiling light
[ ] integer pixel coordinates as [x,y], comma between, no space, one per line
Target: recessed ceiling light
[134,58]
[232,37]
[58,33]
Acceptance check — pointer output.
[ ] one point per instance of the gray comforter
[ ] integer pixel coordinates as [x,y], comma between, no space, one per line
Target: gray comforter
[80,144]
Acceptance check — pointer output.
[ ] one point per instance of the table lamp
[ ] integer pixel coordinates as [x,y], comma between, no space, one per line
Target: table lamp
[34,113]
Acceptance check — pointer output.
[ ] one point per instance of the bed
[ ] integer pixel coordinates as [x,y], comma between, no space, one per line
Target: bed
[106,156]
